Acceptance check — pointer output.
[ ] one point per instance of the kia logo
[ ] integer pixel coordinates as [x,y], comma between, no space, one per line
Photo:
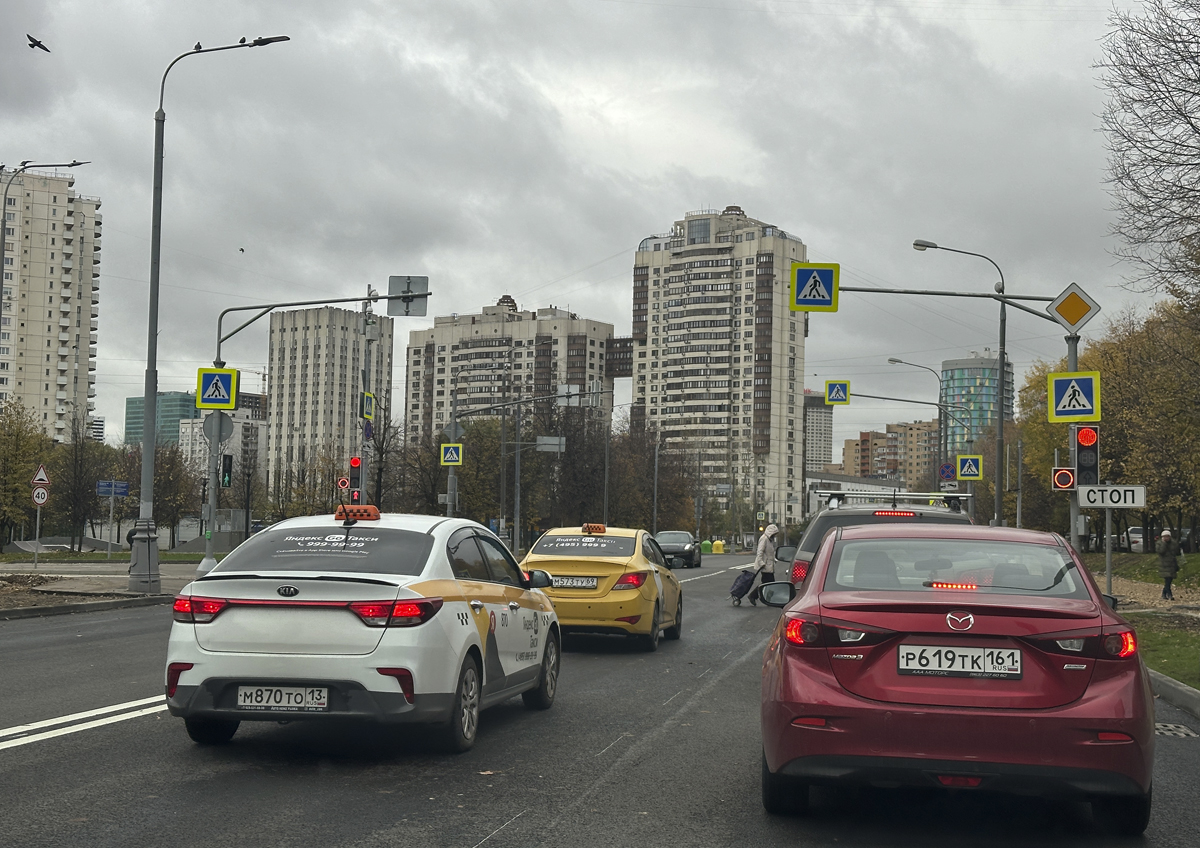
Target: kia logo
[957,620]
[292,591]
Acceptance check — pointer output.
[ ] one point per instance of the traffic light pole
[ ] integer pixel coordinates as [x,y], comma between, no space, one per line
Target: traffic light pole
[1073,366]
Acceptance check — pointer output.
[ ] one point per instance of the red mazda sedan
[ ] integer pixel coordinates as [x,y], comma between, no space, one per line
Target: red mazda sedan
[941,655]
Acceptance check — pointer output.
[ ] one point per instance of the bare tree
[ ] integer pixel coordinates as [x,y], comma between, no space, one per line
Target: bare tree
[1152,121]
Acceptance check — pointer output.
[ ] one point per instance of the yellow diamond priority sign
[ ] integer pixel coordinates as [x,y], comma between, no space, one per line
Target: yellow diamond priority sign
[1073,308]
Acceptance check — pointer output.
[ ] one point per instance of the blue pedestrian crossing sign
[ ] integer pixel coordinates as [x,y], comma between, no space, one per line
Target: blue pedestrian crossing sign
[814,287]
[837,392]
[452,453]
[1073,396]
[216,388]
[970,467]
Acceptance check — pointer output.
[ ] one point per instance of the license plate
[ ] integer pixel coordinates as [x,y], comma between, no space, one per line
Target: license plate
[573,582]
[288,699]
[942,661]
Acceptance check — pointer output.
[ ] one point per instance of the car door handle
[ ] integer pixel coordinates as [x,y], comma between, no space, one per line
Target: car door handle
[477,605]
[514,606]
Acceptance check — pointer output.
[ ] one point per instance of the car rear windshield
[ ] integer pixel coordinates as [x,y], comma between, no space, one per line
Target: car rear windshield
[941,565]
[831,518]
[673,538]
[581,546]
[360,548]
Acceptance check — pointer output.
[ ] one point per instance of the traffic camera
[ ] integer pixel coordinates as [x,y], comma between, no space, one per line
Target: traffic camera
[1085,439]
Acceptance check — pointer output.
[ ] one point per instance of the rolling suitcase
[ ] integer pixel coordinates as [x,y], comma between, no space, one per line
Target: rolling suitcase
[741,586]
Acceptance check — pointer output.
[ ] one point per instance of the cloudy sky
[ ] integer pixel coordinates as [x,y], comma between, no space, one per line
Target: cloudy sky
[527,147]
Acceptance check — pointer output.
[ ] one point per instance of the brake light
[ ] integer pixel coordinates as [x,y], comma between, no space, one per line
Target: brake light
[799,571]
[808,721]
[174,670]
[1113,736]
[191,610]
[1120,645]
[632,580]
[960,781]
[404,677]
[801,632]
[896,513]
[630,619]
[962,587]
[407,613]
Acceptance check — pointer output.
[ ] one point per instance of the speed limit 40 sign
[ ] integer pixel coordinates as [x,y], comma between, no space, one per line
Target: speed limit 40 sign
[40,495]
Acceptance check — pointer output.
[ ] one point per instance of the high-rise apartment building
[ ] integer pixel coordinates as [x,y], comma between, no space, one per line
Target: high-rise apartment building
[244,445]
[973,383]
[314,385]
[718,353]
[95,428]
[818,432]
[501,353]
[49,312]
[905,452]
[170,409]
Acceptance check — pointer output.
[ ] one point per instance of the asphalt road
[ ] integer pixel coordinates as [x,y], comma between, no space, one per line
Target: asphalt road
[639,749]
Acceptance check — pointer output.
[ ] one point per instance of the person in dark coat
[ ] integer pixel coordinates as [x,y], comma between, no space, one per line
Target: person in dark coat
[1168,562]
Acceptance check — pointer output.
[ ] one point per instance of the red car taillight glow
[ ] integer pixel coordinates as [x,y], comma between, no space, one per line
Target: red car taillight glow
[174,670]
[407,613]
[801,632]
[404,677]
[191,610]
[896,513]
[808,721]
[632,580]
[799,571]
[1120,645]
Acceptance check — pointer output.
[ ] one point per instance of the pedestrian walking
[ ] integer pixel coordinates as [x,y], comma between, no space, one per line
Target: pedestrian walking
[764,561]
[1168,562]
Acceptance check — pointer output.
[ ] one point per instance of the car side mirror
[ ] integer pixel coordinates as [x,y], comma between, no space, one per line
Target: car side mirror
[539,579]
[778,594]
[785,553]
[1112,601]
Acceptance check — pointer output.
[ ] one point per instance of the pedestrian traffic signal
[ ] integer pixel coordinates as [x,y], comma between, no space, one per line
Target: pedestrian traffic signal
[1086,442]
[1062,479]
[226,470]
[356,472]
[355,497]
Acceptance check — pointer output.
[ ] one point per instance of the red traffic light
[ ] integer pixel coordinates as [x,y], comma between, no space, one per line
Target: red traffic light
[355,461]
[1063,479]
[1086,436]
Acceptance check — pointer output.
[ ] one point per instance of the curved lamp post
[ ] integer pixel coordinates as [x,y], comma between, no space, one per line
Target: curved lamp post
[922,244]
[892,360]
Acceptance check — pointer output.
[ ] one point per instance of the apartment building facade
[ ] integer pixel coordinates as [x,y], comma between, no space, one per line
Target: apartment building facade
[906,453]
[717,354]
[49,312]
[818,432]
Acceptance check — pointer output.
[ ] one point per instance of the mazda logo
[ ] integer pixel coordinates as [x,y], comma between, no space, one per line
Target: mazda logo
[292,591]
[958,620]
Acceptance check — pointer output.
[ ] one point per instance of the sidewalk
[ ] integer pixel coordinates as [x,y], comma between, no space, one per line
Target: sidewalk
[59,588]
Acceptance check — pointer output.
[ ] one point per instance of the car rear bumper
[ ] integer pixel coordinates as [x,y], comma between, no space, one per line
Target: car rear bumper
[600,615]
[216,698]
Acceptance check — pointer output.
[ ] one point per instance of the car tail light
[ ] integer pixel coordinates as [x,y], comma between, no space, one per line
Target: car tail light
[407,613]
[956,587]
[799,571]
[1120,645]
[799,631]
[896,513]
[631,619]
[1113,736]
[960,781]
[632,580]
[808,721]
[191,610]
[848,636]
[174,670]
[404,677]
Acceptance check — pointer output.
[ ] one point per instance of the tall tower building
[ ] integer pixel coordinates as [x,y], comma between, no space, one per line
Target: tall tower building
[502,353]
[818,432]
[49,317]
[315,372]
[717,353]
[171,410]
[973,383]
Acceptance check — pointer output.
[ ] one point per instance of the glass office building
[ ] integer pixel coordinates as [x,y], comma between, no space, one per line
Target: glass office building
[172,407]
[972,383]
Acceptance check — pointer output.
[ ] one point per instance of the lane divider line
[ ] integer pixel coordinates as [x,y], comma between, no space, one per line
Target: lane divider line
[67,719]
[714,573]
[75,728]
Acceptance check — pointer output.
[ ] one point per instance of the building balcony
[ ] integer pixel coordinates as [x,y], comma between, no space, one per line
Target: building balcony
[64,308]
[64,337]
[60,425]
[95,311]
[69,221]
[68,248]
[64,322]
[91,393]
[95,325]
[94,338]
[62,379]
[66,278]
[95,281]
[64,351]
[91,365]
[95,298]
[96,258]
[60,395]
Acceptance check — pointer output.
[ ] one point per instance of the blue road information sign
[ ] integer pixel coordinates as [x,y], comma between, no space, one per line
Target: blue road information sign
[216,388]
[452,454]
[946,472]
[814,287]
[1073,396]
[110,488]
[970,467]
[366,407]
[837,392]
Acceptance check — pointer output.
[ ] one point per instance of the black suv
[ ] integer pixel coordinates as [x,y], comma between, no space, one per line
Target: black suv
[882,510]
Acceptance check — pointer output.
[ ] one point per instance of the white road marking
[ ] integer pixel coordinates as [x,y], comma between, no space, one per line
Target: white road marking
[713,574]
[500,828]
[51,722]
[75,728]
[672,698]
[614,742]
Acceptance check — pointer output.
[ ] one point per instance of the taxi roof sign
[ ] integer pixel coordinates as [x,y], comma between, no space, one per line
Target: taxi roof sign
[1073,308]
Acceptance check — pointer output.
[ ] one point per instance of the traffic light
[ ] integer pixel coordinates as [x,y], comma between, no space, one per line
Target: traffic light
[1062,479]
[355,472]
[1086,442]
[355,497]
[226,470]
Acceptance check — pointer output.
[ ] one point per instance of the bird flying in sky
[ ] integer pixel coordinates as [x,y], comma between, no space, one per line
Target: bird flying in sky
[33,42]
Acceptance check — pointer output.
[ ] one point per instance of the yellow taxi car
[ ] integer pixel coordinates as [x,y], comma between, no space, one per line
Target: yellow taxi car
[609,580]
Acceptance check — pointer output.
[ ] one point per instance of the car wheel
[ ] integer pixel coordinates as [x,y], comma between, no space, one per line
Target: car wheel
[650,640]
[464,711]
[783,795]
[1125,815]
[676,629]
[542,698]
[209,731]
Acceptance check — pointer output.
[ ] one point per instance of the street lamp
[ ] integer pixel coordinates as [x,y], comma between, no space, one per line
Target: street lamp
[923,244]
[22,168]
[143,572]
[892,360]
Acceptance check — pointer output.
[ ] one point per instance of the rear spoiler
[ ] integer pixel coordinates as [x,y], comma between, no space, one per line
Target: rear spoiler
[836,497]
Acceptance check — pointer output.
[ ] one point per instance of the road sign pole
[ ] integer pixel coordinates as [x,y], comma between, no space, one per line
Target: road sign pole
[112,502]
[451,476]
[214,484]
[37,534]
[517,481]
[1108,551]
[1073,366]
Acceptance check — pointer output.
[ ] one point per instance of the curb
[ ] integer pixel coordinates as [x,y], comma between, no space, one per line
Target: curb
[87,606]
[1175,693]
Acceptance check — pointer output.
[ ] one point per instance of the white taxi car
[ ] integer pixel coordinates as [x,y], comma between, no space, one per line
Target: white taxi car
[390,618]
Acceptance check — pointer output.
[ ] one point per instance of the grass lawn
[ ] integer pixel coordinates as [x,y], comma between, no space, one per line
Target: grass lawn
[1144,567]
[1170,644]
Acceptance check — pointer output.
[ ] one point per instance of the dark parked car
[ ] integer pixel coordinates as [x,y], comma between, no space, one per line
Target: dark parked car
[681,545]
